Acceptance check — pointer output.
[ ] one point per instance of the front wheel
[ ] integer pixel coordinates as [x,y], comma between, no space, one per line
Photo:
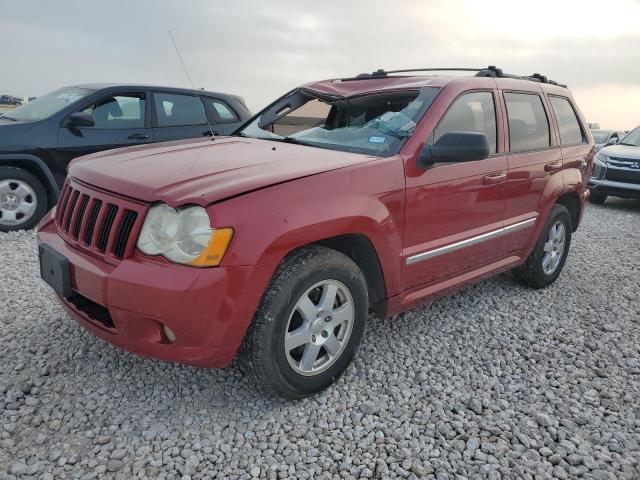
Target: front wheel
[309,324]
[23,199]
[597,198]
[547,259]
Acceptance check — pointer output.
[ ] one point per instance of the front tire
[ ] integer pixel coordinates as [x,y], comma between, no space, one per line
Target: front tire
[23,199]
[597,198]
[309,324]
[544,264]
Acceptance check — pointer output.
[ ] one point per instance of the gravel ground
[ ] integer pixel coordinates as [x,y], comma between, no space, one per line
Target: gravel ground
[497,381]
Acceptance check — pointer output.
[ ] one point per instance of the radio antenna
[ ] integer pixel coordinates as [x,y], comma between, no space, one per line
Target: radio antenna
[186,72]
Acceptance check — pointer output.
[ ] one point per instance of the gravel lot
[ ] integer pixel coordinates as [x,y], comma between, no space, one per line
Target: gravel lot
[497,381]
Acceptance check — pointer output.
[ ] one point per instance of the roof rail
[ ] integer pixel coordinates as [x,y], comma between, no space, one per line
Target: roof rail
[490,71]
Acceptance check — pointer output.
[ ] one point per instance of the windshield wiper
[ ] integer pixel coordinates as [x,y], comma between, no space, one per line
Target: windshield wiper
[4,117]
[627,144]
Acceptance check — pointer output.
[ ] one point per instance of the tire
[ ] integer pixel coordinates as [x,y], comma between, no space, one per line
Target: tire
[280,371]
[534,272]
[597,198]
[23,199]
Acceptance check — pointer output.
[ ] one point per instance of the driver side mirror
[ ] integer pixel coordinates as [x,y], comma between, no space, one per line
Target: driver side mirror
[455,147]
[80,119]
[613,141]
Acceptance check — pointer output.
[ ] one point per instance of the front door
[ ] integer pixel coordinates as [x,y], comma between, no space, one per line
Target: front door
[454,212]
[120,120]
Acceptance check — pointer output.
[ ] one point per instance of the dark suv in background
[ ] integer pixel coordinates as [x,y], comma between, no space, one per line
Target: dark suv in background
[616,170]
[40,138]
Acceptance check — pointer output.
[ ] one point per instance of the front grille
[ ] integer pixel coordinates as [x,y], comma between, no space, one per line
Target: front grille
[623,170]
[102,224]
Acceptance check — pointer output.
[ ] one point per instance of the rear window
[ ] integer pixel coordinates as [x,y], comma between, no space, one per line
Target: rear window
[224,111]
[568,124]
[176,110]
[528,123]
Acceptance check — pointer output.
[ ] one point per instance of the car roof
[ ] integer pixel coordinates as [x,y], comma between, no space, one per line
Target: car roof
[120,86]
[348,87]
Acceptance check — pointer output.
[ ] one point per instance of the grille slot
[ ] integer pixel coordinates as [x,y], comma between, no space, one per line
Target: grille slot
[81,209]
[122,237]
[91,221]
[71,207]
[64,198]
[105,228]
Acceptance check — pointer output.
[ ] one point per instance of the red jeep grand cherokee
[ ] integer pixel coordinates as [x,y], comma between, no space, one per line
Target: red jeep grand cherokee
[376,192]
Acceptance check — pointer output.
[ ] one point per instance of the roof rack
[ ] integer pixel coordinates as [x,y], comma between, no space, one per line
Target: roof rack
[490,71]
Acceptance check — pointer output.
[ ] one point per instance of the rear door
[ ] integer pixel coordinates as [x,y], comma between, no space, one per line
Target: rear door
[121,119]
[178,116]
[453,211]
[535,163]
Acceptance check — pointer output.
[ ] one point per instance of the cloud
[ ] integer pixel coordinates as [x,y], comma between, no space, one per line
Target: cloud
[260,49]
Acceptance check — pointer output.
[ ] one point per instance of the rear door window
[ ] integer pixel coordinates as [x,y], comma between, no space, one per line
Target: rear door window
[570,131]
[471,112]
[528,123]
[174,110]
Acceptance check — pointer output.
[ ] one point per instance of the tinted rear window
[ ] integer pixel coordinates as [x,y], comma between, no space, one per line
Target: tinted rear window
[528,124]
[175,110]
[568,124]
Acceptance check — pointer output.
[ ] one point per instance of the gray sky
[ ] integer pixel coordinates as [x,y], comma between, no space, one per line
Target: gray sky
[260,49]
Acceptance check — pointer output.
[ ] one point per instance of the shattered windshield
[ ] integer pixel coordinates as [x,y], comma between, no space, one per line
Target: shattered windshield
[374,124]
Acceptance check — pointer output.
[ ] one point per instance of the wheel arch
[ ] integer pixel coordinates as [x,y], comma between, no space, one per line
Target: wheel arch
[571,201]
[361,250]
[37,167]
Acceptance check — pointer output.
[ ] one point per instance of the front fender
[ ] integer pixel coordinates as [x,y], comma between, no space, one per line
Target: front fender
[367,199]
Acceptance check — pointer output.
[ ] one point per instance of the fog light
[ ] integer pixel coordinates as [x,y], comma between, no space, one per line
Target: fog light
[169,334]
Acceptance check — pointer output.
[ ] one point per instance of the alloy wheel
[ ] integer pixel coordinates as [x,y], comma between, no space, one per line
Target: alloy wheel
[554,247]
[319,327]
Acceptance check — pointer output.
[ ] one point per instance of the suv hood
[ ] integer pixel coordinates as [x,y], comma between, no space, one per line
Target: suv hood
[622,151]
[204,171]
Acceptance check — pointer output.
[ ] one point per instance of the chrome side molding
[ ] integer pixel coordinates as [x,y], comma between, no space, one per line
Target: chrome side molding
[419,257]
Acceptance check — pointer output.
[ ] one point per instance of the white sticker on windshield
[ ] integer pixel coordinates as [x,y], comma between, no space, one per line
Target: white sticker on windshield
[377,139]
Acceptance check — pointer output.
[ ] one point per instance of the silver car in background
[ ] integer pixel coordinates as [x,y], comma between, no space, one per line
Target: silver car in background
[602,138]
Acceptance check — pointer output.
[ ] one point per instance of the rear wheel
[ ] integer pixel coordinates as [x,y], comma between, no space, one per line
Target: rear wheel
[309,324]
[23,199]
[547,259]
[597,198]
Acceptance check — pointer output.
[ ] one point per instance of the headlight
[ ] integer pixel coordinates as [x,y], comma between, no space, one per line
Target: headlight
[183,236]
[599,165]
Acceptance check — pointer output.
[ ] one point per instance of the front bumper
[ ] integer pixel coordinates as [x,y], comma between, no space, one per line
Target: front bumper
[128,304]
[614,189]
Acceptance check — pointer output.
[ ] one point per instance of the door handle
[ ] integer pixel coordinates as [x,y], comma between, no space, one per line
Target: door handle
[494,178]
[138,136]
[553,167]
